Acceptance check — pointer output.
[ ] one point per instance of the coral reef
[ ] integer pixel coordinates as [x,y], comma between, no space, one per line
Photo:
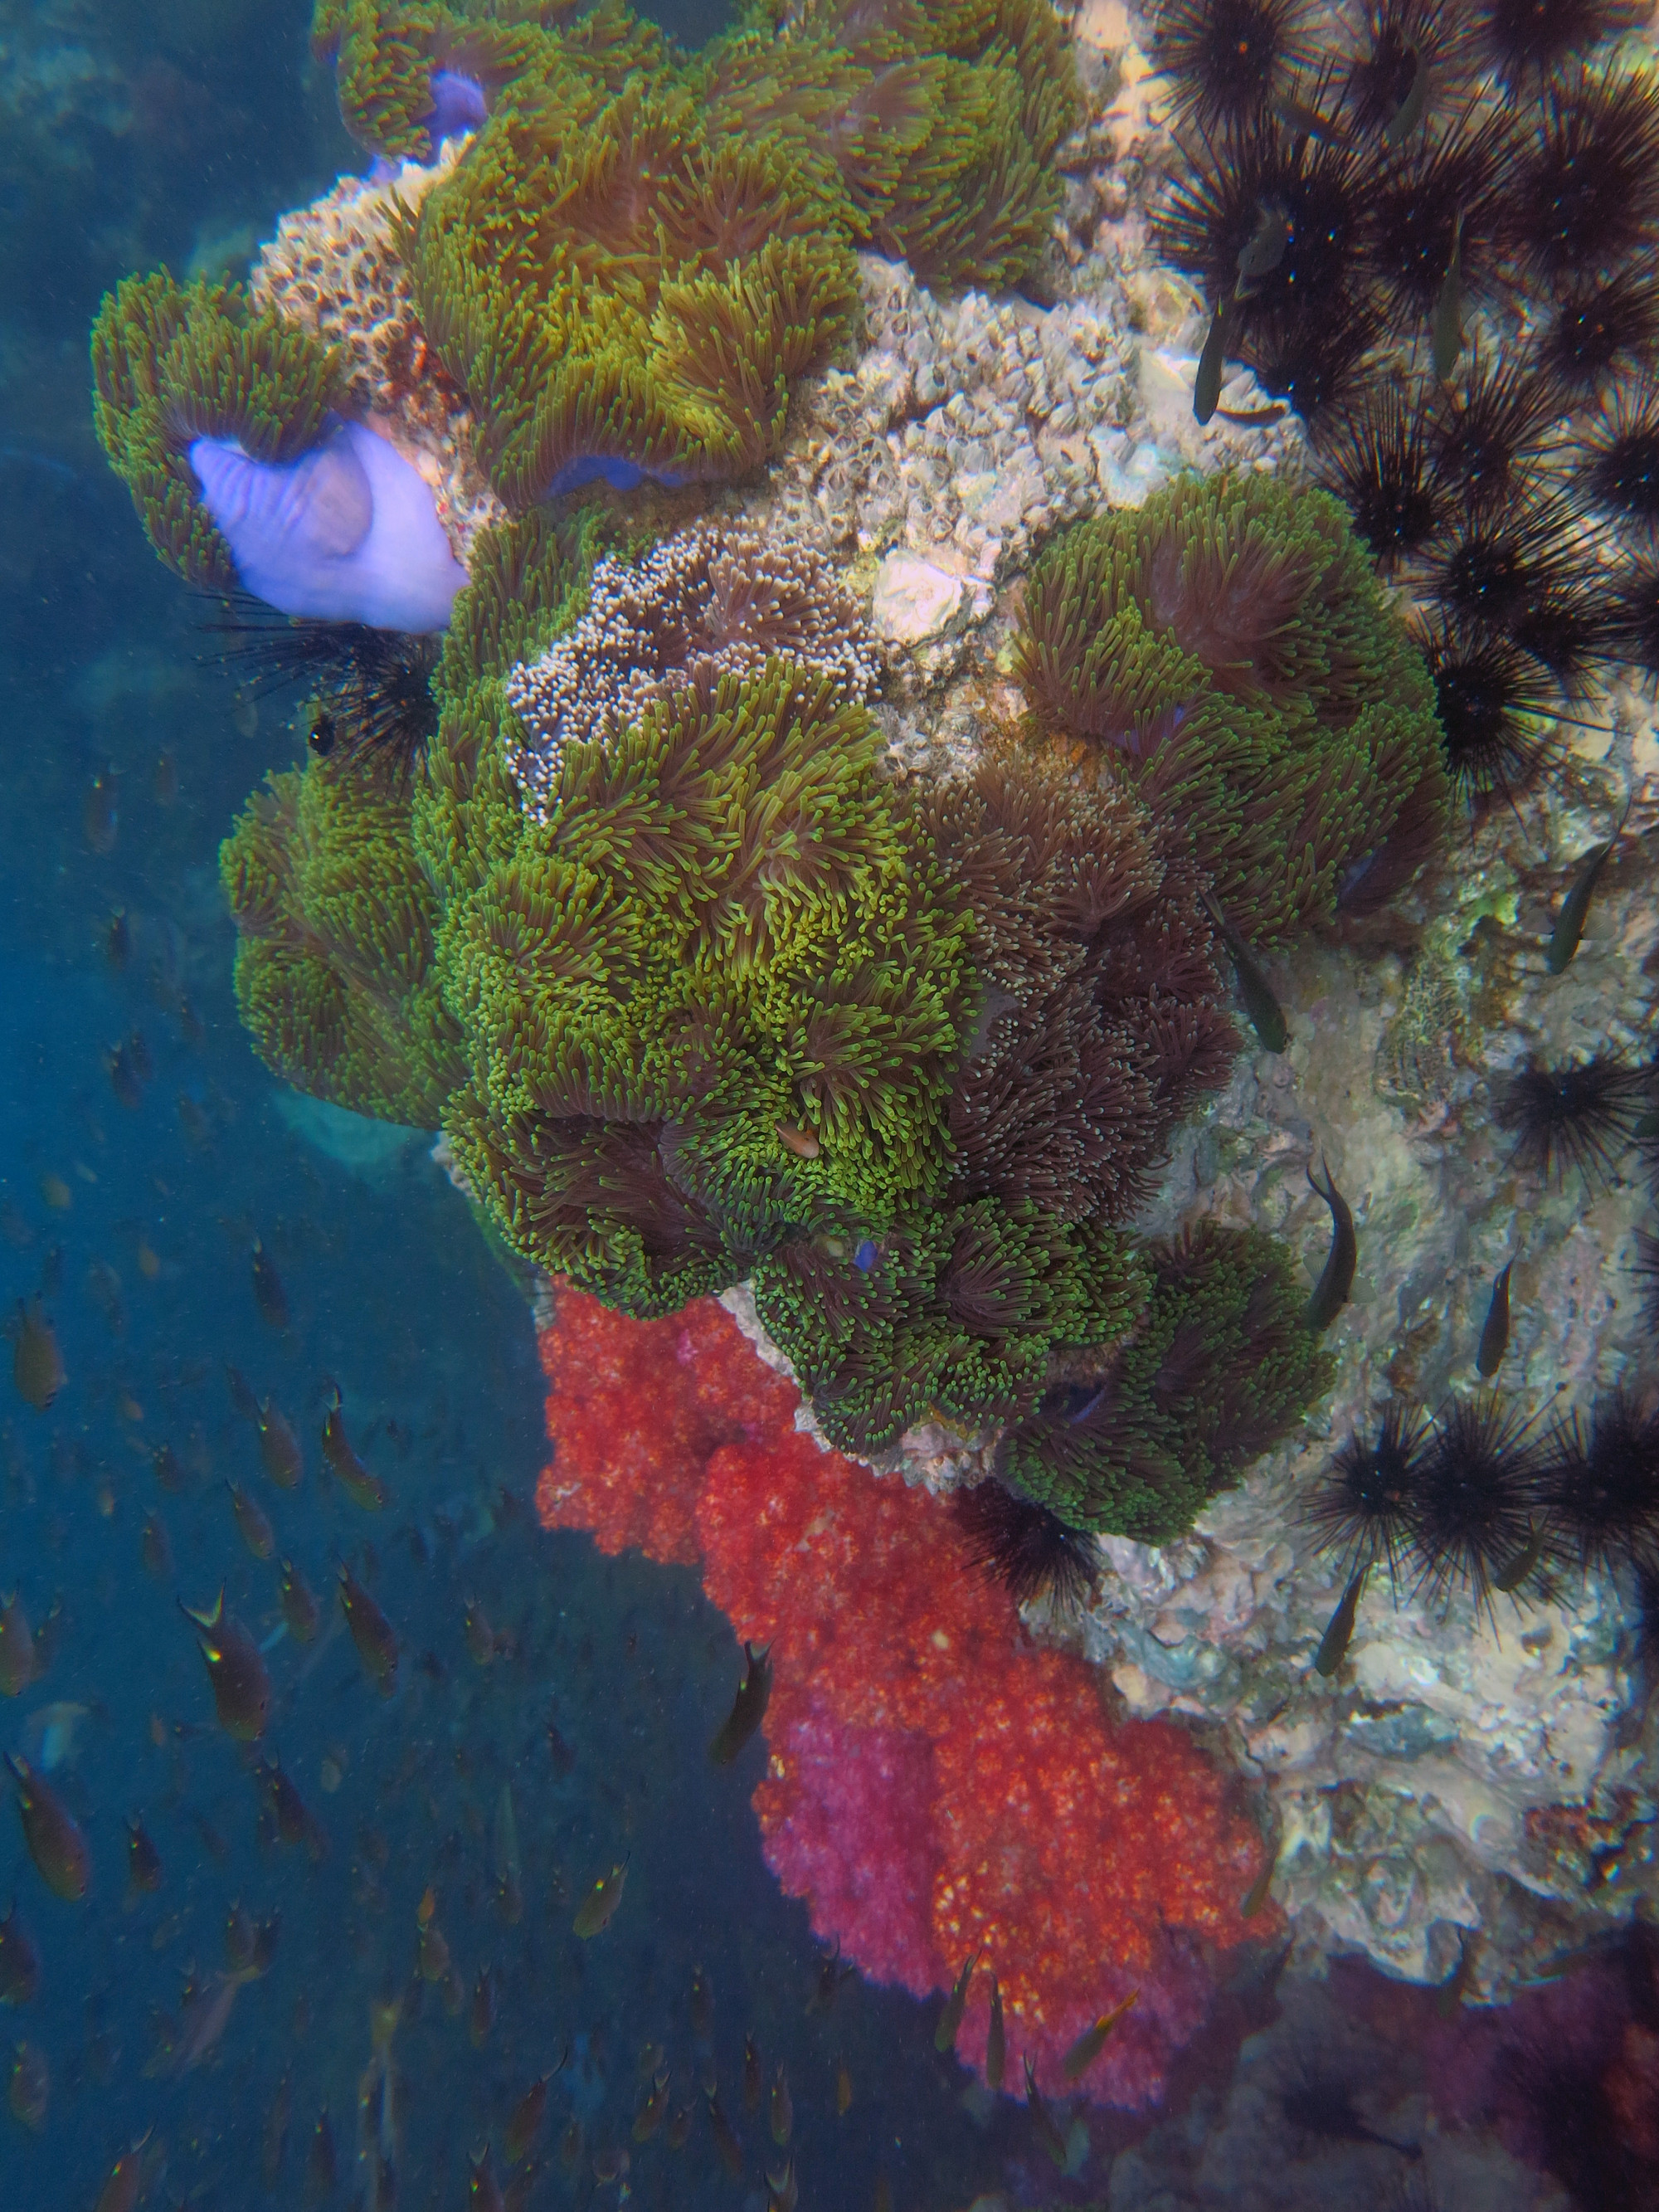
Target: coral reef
[1227,648]
[703,603]
[935,1784]
[335,976]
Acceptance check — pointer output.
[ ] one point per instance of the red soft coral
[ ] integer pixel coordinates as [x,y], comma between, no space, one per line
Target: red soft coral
[936,1784]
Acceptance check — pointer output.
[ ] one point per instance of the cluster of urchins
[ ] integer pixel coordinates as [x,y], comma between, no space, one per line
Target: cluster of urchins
[1433,241]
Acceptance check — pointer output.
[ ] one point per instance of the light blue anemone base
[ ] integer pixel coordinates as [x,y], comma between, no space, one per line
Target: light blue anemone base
[349,532]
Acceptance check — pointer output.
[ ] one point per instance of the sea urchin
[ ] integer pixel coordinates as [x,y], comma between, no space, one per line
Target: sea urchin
[1578,1116]
[1021,1544]
[1474,1495]
[1600,1489]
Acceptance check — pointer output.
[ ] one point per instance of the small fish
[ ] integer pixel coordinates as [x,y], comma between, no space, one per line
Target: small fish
[483,2191]
[1509,1578]
[831,1975]
[169,1469]
[251,1523]
[156,1548]
[751,2075]
[599,1907]
[20,1962]
[123,1079]
[126,2179]
[117,939]
[1446,328]
[996,2041]
[268,1292]
[17,1667]
[1267,1015]
[242,1399]
[1334,1644]
[279,1448]
[29,2090]
[371,1631]
[57,1192]
[678,2133]
[482,2018]
[1451,1991]
[198,1130]
[1306,122]
[104,1289]
[1250,418]
[432,1953]
[1264,250]
[653,2106]
[1331,1292]
[866,1254]
[100,811]
[725,2137]
[1495,1336]
[1256,1895]
[143,1861]
[570,2144]
[1570,922]
[749,1709]
[1409,114]
[950,2020]
[273,2142]
[703,2004]
[781,2113]
[362,1488]
[295,1824]
[1092,2041]
[480,1636]
[300,1607]
[843,2090]
[504,1853]
[801,1142]
[319,2161]
[1048,2132]
[52,1832]
[37,1365]
[1212,364]
[241,1686]
[525,2123]
[782,2189]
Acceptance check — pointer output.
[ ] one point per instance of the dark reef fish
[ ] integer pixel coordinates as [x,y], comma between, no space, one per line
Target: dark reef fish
[362,1488]
[1049,2131]
[950,2020]
[996,2041]
[20,1962]
[1570,922]
[52,1832]
[268,1292]
[242,1685]
[1266,1017]
[1331,1292]
[598,1908]
[371,1631]
[1494,1335]
[1338,1633]
[749,1707]
[37,1365]
[279,1448]
[1088,2045]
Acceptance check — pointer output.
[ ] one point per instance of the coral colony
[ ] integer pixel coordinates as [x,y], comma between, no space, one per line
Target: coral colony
[610,881]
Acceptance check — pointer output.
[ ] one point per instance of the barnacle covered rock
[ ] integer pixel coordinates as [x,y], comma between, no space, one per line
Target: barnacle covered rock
[334,979]
[1228,648]
[705,602]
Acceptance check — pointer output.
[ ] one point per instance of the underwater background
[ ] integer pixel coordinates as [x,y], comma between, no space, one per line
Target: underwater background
[352,1960]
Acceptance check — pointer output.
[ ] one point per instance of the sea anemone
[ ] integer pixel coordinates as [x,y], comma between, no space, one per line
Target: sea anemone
[1361,1507]
[1577,1116]
[1022,1545]
[1600,1487]
[1473,1497]
[1376,458]
[1495,706]
[1226,58]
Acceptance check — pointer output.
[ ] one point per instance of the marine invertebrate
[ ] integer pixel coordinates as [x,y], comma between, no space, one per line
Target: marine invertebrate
[1497,567]
[1227,58]
[1361,1505]
[1598,1486]
[409,76]
[1578,1116]
[1618,464]
[371,689]
[1024,1545]
[932,1774]
[1496,706]
[1601,325]
[1376,459]
[1488,434]
[1522,39]
[622,291]
[1583,189]
[1227,647]
[1442,190]
[335,978]
[221,419]
[1218,1368]
[1400,40]
[1475,1494]
[705,602]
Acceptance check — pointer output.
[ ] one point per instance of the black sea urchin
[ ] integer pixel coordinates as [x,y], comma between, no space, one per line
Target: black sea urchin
[1522,39]
[1473,1497]
[1582,192]
[1226,58]
[1599,1486]
[1495,706]
[1361,1504]
[1401,38]
[1495,566]
[371,700]
[1580,1116]
[1425,200]
[1603,327]
[1646,1272]
[1374,456]
[1618,471]
[1317,189]
[1488,438]
[1635,599]
[1024,1546]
